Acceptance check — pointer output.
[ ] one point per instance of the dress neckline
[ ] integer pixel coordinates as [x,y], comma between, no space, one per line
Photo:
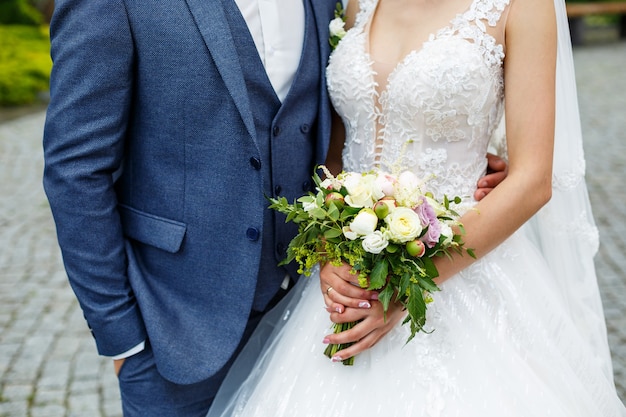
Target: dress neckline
[431,37]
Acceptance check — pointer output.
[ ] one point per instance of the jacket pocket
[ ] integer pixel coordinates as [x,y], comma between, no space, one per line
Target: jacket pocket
[152,230]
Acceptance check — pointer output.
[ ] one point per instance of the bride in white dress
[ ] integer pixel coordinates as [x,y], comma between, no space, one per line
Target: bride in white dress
[520,331]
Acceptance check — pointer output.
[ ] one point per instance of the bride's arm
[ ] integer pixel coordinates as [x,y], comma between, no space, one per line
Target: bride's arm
[529,73]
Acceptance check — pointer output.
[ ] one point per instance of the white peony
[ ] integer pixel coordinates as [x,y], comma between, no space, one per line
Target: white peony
[386,183]
[349,234]
[363,191]
[364,222]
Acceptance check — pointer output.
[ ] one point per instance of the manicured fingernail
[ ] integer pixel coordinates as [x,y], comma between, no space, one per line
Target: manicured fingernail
[336,358]
[374,296]
[364,304]
[338,310]
[326,341]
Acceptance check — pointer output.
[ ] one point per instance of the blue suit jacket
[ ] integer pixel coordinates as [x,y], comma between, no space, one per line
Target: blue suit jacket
[149,169]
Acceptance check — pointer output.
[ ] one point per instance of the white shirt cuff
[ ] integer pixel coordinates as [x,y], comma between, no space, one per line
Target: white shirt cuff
[141,346]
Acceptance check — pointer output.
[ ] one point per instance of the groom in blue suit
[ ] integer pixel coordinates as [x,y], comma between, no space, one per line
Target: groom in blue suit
[169,124]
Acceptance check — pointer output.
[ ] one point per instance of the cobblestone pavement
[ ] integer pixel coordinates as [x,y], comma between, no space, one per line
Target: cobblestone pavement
[48,363]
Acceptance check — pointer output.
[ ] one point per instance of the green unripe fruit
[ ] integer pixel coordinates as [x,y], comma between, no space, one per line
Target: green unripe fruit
[416,248]
[381,209]
[334,198]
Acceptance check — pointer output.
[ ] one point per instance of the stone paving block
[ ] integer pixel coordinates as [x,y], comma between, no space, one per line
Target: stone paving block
[50,396]
[47,411]
[14,408]
[85,404]
[55,374]
[14,392]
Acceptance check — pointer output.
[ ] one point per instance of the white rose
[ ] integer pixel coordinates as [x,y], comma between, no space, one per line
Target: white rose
[403,224]
[362,190]
[364,222]
[336,27]
[375,242]
[447,233]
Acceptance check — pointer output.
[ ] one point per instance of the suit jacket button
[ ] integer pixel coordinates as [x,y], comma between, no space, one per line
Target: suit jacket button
[252,234]
[305,128]
[306,186]
[276,131]
[256,163]
[278,189]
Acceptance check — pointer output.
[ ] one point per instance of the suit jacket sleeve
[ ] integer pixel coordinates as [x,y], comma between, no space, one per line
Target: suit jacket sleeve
[91,93]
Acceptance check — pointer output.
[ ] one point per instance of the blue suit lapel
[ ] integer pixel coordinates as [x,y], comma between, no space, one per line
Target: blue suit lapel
[212,23]
[323,12]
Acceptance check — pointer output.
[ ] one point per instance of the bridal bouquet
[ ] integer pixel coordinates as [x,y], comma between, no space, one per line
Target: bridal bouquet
[385,227]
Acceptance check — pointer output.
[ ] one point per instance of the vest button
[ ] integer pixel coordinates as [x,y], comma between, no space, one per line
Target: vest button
[306,186]
[278,189]
[252,234]
[280,248]
[256,163]
[305,128]
[276,131]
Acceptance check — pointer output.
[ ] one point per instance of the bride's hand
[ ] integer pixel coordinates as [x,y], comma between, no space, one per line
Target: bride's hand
[341,289]
[347,302]
[373,325]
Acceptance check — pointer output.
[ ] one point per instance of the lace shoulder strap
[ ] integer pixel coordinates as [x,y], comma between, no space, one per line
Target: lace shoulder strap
[366,8]
[472,25]
[481,12]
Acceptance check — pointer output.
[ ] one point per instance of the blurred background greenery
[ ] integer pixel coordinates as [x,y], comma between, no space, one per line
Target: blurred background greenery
[24,51]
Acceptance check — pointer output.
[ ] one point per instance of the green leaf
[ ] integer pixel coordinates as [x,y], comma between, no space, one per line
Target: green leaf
[350,211]
[316,178]
[332,233]
[378,277]
[318,213]
[429,267]
[428,284]
[333,212]
[416,306]
[385,297]
[404,284]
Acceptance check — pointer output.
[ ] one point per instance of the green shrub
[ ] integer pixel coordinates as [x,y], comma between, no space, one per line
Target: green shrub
[19,12]
[25,63]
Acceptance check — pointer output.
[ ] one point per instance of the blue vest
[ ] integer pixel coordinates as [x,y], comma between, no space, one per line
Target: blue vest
[286,136]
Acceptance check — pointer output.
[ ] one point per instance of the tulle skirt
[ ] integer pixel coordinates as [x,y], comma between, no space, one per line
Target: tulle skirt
[502,343]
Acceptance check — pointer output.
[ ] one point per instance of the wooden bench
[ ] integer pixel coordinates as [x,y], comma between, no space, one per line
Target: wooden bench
[577,11]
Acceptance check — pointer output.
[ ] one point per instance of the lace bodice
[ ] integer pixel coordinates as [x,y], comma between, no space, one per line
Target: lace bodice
[440,106]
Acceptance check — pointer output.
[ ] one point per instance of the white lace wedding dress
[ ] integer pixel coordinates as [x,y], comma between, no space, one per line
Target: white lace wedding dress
[504,342]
